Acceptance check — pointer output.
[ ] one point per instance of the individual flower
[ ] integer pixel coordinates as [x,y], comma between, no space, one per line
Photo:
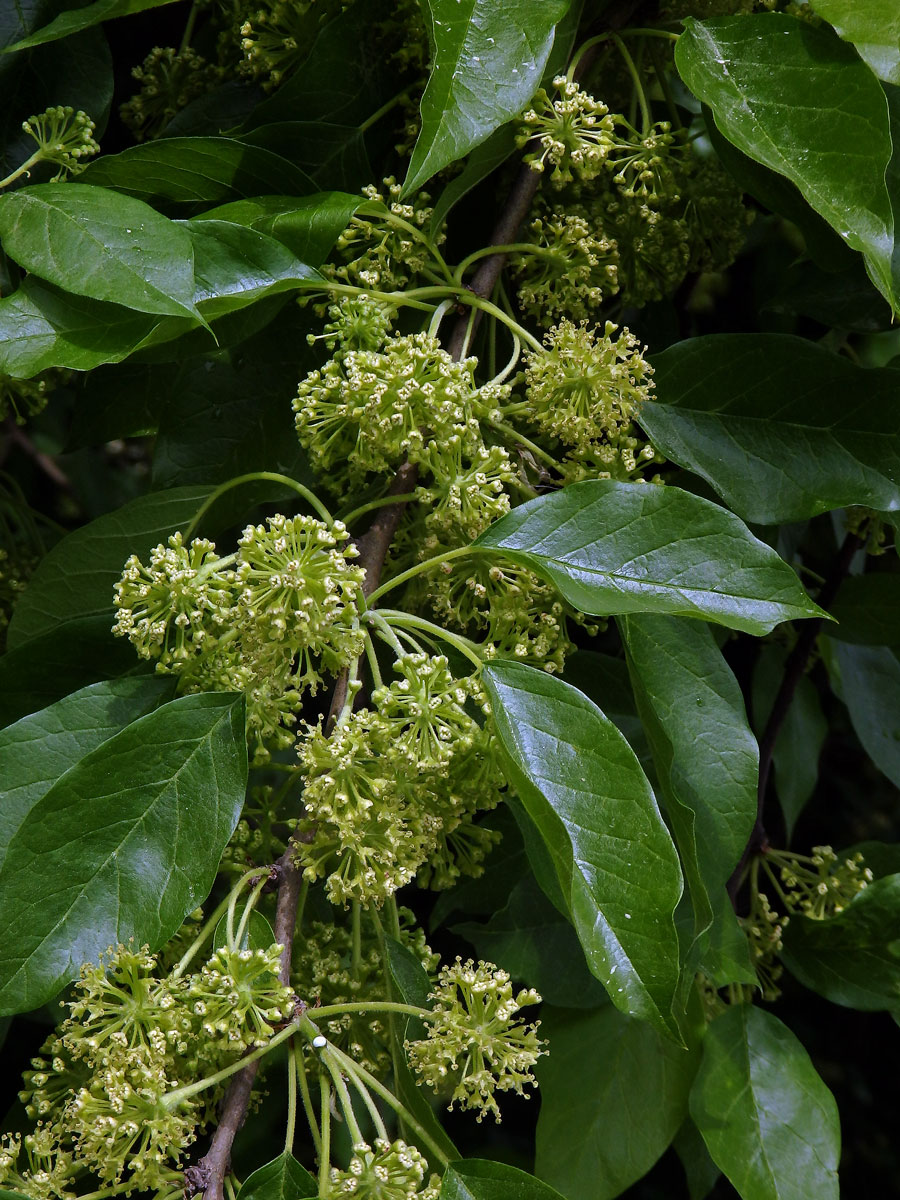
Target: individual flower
[169,80]
[64,137]
[473,1044]
[571,269]
[386,1172]
[586,386]
[238,997]
[169,609]
[574,132]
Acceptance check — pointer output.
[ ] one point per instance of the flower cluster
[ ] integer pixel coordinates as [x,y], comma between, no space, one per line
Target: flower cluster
[820,885]
[23,398]
[64,137]
[276,35]
[103,1090]
[474,1047]
[267,621]
[169,80]
[574,133]
[571,269]
[386,1172]
[764,928]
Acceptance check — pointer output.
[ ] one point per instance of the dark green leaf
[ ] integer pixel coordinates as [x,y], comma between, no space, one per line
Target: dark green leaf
[77,577]
[42,326]
[333,155]
[196,170]
[99,244]
[583,788]
[309,226]
[780,427]
[100,416]
[796,754]
[870,687]
[625,547]
[83,18]
[758,75]
[281,1179]
[874,28]
[40,748]
[483,160]
[258,935]
[410,979]
[624,1089]
[124,845]
[529,939]
[841,300]
[867,609]
[65,658]
[707,761]
[606,681]
[489,57]
[700,1171]
[768,1120]
[852,958]
[479,1179]
[235,266]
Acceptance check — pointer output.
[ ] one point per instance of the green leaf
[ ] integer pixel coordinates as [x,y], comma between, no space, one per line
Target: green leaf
[867,610]
[235,266]
[798,100]
[99,244]
[842,300]
[615,548]
[870,687]
[42,326]
[281,1179]
[707,761]
[701,1173]
[768,1120]
[528,938]
[624,1089]
[583,788]
[480,1179]
[196,170]
[483,161]
[489,57]
[77,19]
[800,739]
[77,577]
[40,748]
[124,845]
[411,981]
[333,155]
[309,226]
[67,657]
[873,26]
[258,934]
[781,428]
[852,958]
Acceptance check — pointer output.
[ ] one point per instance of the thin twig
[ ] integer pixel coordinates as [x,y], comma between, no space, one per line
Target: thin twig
[794,669]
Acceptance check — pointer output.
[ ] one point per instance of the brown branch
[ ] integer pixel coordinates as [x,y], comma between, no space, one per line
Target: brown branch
[794,669]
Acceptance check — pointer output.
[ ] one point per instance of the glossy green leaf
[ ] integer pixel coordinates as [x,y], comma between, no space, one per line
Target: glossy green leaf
[258,933]
[281,1179]
[308,226]
[84,17]
[795,757]
[480,1179]
[64,659]
[867,610]
[873,26]
[615,548]
[613,857]
[606,681]
[842,300]
[489,57]
[40,748]
[124,845]
[196,170]
[701,1173]
[768,1120]
[42,326]
[706,756]
[77,577]
[99,244]
[758,76]
[852,958]
[235,266]
[622,1086]
[782,428]
[528,938]
[870,687]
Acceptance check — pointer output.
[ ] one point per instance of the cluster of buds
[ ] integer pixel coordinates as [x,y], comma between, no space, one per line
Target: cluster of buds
[475,1048]
[571,269]
[275,36]
[385,1172]
[819,885]
[575,133]
[64,137]
[169,80]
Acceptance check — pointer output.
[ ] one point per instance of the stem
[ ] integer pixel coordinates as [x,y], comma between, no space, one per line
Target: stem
[179,1095]
[188,29]
[521,440]
[487,251]
[325,1117]
[412,572]
[292,1098]
[306,1097]
[343,1095]
[372,658]
[386,1006]
[208,927]
[439,313]
[382,112]
[11,178]
[248,909]
[469,648]
[498,313]
[370,1104]
[264,476]
[370,506]
[646,118]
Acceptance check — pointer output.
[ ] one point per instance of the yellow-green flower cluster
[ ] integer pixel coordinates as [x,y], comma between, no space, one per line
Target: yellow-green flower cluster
[169,80]
[238,997]
[474,1046]
[64,137]
[571,269]
[389,1171]
[820,885]
[575,133]
[277,35]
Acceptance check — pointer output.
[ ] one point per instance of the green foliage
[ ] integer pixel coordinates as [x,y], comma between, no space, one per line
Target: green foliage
[514,561]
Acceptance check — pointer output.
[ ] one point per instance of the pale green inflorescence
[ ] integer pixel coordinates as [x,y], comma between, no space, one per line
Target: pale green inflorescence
[64,136]
[387,1171]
